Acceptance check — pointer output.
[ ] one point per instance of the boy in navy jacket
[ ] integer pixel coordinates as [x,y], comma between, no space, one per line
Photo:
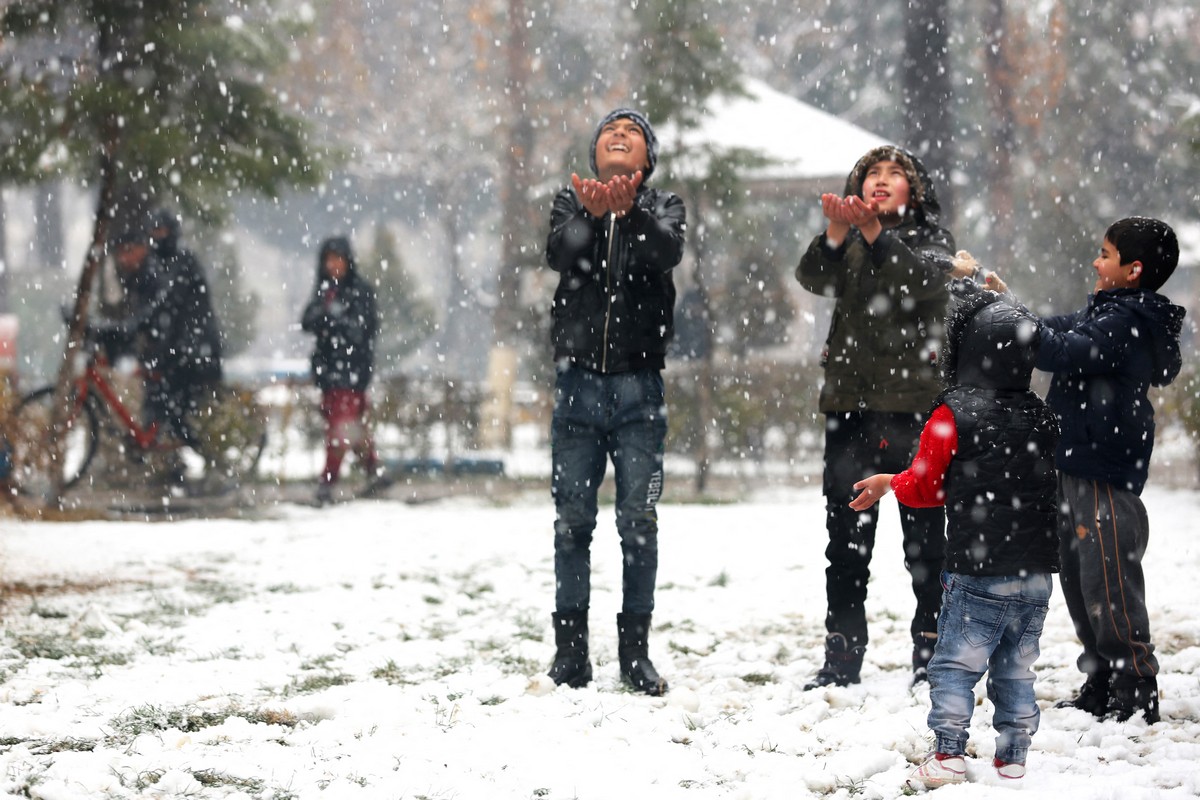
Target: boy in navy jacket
[1105,357]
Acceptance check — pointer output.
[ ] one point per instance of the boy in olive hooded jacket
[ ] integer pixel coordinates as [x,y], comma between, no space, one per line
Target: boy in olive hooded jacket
[884,259]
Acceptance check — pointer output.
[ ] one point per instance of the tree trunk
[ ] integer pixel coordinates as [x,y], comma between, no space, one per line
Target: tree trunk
[514,196]
[927,92]
[1001,82]
[77,324]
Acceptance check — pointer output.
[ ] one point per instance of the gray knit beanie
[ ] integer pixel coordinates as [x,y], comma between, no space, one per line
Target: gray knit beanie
[647,131]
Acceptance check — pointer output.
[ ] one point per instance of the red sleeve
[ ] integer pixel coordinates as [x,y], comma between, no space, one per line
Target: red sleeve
[920,486]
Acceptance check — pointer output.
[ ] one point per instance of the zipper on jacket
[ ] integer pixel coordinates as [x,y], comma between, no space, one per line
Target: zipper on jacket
[612,229]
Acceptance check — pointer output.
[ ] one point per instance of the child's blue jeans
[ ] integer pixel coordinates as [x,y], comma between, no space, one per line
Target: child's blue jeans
[988,624]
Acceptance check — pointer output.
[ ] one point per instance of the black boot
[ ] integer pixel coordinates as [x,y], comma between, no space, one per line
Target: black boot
[1129,695]
[633,651]
[571,665]
[842,663]
[1093,695]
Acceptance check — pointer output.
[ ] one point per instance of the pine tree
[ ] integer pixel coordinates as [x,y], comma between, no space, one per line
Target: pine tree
[405,316]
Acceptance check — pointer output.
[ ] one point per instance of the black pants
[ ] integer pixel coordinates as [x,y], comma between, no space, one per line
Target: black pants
[858,444]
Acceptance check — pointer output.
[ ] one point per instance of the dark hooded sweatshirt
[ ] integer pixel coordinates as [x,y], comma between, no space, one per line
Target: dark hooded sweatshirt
[1105,358]
[890,304]
[344,318]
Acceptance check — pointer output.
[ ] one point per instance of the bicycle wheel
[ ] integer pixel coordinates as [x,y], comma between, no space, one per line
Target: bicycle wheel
[34,471]
[230,431]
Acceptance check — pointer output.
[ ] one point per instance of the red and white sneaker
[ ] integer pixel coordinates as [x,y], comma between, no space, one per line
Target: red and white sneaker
[938,770]
[1009,770]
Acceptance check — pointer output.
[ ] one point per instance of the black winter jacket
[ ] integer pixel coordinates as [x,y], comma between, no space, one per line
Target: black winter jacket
[170,317]
[1105,358]
[1001,489]
[1001,508]
[344,318]
[615,301]
[891,299]
[194,343]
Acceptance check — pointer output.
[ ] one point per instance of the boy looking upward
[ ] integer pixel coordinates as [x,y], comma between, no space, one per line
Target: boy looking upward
[614,242]
[884,259]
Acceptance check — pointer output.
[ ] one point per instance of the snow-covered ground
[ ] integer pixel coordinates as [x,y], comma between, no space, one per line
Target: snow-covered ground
[381,650]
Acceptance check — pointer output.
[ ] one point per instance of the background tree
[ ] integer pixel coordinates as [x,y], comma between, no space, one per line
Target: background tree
[146,102]
[928,100]
[677,76]
[237,307]
[405,316]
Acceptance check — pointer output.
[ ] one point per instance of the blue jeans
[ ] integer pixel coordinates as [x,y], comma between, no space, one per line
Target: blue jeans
[596,417]
[988,624]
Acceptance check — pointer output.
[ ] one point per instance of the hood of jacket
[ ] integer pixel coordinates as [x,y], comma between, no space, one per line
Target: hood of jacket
[168,245]
[341,246]
[1164,322]
[991,343]
[925,209]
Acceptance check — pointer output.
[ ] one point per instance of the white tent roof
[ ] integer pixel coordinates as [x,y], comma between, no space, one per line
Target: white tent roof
[802,142]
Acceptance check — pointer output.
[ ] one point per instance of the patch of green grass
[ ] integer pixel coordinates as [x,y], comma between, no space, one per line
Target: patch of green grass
[75,652]
[392,674]
[218,592]
[150,718]
[46,613]
[140,780]
[316,683]
[211,777]
[758,678]
[530,628]
[54,646]
[852,786]
[687,650]
[450,667]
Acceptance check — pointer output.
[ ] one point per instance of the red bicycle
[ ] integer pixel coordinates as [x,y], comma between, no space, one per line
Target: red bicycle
[229,432]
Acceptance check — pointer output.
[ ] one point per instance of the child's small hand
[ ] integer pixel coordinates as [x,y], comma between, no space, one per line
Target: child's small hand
[871,490]
[993,282]
[965,265]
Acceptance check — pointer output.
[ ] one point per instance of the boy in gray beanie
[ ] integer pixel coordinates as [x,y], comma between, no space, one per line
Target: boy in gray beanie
[614,242]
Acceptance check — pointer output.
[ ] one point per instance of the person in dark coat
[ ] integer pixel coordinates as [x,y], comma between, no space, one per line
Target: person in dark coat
[1105,357]
[343,317]
[986,454]
[884,258]
[176,334]
[194,343]
[614,242]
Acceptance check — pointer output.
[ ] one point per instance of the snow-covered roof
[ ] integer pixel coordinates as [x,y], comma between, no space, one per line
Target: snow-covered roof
[801,141]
